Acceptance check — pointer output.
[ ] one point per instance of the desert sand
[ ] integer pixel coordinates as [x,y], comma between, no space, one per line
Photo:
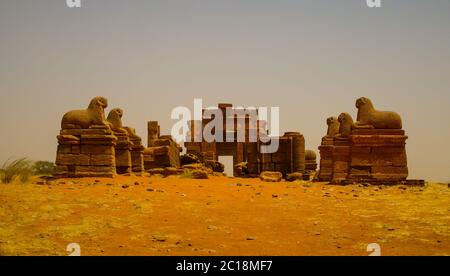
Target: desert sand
[221,216]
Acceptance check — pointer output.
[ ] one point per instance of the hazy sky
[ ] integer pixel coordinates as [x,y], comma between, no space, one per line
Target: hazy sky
[311,58]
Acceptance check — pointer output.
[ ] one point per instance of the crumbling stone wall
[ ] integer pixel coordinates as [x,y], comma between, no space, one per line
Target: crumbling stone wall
[163,151]
[290,156]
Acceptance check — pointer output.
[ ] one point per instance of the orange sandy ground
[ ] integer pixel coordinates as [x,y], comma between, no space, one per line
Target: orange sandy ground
[221,216]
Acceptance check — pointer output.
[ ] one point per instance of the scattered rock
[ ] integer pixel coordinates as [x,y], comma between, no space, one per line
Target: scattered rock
[251,238]
[150,190]
[159,238]
[199,174]
[136,183]
[294,176]
[172,171]
[189,158]
[274,196]
[192,166]
[268,176]
[156,171]
[241,169]
[212,227]
[215,166]
[125,186]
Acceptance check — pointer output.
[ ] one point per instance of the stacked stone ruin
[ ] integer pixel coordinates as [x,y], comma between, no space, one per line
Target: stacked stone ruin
[91,146]
[289,158]
[86,153]
[310,162]
[326,150]
[372,149]
[162,151]
[137,154]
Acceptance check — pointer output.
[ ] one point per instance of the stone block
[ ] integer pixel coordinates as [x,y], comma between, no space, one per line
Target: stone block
[72,159]
[102,160]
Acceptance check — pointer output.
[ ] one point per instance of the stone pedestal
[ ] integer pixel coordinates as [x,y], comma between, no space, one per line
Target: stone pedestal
[123,153]
[311,165]
[137,155]
[310,161]
[341,159]
[86,153]
[326,159]
[378,155]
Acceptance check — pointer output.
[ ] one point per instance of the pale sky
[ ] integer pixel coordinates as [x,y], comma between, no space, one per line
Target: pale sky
[311,58]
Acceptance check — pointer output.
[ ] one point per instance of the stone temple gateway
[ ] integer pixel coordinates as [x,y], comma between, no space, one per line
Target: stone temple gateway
[289,158]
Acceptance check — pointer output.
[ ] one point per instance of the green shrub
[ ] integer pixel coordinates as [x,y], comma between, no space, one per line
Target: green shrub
[43,168]
[10,170]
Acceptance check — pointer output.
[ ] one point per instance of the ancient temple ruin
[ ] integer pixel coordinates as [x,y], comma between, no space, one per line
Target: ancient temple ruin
[289,158]
[372,149]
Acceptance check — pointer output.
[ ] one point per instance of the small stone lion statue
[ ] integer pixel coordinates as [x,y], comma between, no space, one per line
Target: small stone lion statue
[333,126]
[132,132]
[368,117]
[85,118]
[346,124]
[115,120]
